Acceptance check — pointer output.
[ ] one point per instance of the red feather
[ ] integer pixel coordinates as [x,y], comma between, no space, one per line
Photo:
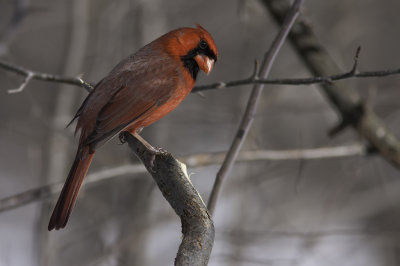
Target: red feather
[137,92]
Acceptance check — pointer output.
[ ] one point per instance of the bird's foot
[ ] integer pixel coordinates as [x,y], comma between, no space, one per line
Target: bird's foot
[153,151]
[122,137]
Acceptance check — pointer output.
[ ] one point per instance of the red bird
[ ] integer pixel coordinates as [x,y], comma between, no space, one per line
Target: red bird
[139,91]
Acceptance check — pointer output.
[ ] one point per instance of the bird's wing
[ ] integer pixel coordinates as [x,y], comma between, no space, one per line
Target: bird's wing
[138,96]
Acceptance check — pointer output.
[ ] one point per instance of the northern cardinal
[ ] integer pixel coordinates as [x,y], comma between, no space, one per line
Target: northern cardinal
[139,91]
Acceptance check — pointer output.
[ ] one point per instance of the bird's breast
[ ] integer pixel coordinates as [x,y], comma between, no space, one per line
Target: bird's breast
[176,97]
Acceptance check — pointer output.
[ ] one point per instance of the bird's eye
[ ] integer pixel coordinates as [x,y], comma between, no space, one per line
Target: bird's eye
[203,44]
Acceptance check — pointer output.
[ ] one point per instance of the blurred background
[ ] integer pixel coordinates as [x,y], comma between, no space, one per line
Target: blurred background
[338,211]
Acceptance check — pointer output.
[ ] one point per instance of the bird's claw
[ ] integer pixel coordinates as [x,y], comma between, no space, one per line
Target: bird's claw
[153,152]
[151,163]
[121,137]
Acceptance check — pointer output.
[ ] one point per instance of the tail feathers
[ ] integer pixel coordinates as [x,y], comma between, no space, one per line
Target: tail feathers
[68,195]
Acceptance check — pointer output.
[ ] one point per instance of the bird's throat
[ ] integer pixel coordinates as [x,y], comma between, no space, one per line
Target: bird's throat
[191,65]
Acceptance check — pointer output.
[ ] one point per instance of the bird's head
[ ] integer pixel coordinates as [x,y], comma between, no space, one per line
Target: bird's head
[194,47]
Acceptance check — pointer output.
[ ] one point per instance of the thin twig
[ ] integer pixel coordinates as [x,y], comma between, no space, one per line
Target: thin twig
[23,84]
[214,86]
[248,116]
[353,73]
[29,74]
[193,161]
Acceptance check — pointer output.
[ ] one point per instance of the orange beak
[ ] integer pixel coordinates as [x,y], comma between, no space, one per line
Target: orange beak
[204,62]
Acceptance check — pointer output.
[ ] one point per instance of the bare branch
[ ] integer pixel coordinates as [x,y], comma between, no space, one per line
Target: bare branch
[23,84]
[173,181]
[205,159]
[77,81]
[355,65]
[46,191]
[251,108]
[348,102]
[194,161]
[353,73]
[29,75]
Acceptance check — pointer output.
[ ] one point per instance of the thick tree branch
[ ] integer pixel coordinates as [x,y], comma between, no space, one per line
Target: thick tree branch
[251,108]
[345,99]
[174,183]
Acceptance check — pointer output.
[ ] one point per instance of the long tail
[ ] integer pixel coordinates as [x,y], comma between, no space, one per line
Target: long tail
[68,195]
